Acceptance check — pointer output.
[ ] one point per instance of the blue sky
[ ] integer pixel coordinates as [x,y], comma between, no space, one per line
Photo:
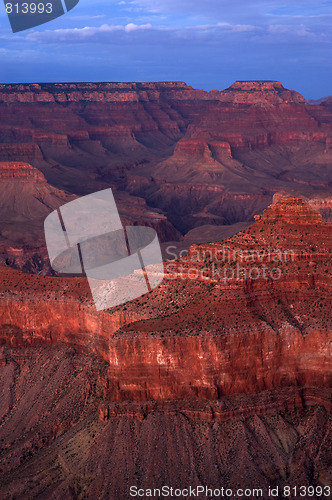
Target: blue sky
[208,43]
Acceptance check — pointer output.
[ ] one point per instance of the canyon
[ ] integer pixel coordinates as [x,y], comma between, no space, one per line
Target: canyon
[188,162]
[222,374]
[208,359]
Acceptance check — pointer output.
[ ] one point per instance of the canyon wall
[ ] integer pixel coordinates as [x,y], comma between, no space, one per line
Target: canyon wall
[177,158]
[214,327]
[219,376]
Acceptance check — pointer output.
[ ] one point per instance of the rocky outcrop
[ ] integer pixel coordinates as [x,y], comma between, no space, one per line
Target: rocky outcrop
[290,211]
[20,171]
[250,92]
[319,202]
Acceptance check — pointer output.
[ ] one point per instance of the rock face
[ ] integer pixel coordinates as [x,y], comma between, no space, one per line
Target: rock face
[290,211]
[60,449]
[245,91]
[320,202]
[196,158]
[232,296]
[249,92]
[95,92]
[222,362]
[20,171]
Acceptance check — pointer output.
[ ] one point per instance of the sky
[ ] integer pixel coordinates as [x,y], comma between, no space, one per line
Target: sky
[208,44]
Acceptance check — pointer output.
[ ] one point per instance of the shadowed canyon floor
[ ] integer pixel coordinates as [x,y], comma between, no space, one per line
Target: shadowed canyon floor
[221,376]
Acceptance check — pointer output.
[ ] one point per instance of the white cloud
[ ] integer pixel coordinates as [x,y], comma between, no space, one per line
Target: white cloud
[134,27]
[164,34]
[88,32]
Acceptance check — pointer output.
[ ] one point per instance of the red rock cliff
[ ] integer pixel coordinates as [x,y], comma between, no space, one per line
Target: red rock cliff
[104,92]
[20,171]
[246,92]
[211,328]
